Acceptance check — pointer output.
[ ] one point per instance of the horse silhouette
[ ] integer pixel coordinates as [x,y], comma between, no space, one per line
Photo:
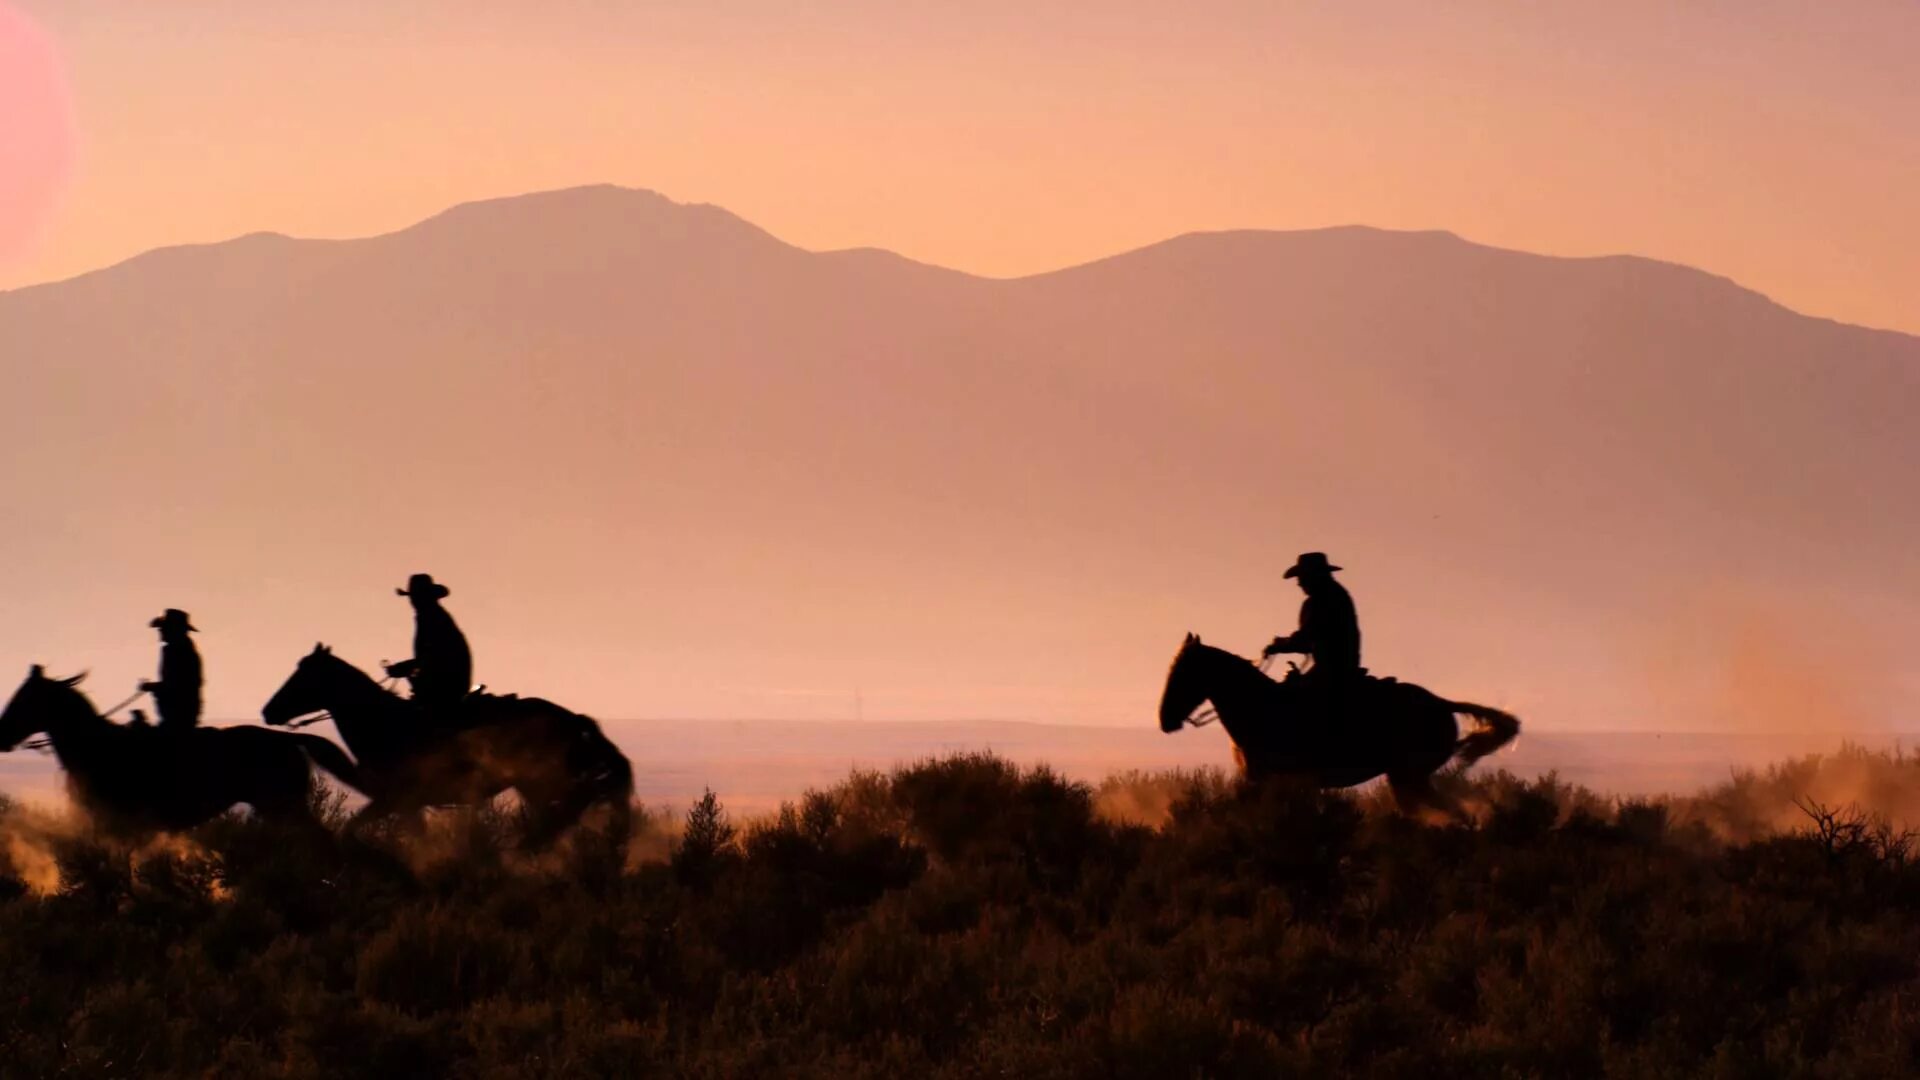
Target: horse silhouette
[559,761]
[134,780]
[1393,729]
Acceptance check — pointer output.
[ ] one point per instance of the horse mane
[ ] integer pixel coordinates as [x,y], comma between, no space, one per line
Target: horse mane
[1218,652]
[74,699]
[342,664]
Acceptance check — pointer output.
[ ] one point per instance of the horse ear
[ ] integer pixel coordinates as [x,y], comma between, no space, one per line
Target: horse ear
[39,672]
[326,650]
[1192,638]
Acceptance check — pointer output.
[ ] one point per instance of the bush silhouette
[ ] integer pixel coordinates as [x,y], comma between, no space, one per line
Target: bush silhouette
[965,916]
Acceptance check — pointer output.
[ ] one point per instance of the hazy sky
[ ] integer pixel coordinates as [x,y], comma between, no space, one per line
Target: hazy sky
[1772,142]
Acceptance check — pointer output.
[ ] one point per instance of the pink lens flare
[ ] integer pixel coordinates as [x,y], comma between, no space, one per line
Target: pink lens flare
[36,131]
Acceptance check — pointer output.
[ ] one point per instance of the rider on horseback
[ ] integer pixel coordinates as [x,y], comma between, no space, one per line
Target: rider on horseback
[441,671]
[177,692]
[1329,628]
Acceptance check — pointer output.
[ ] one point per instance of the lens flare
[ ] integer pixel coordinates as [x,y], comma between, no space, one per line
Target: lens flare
[36,132]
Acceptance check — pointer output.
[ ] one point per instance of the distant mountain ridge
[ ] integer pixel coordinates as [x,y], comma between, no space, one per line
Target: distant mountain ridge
[673,464]
[590,204]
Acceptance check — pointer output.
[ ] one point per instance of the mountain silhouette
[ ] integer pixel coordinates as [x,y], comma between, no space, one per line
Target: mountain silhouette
[681,467]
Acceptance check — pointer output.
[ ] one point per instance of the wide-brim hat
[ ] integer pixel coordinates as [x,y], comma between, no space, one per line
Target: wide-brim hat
[1312,562]
[424,585]
[174,617]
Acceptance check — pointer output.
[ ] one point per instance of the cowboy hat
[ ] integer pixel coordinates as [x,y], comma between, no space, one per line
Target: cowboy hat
[1312,562]
[424,585]
[174,617]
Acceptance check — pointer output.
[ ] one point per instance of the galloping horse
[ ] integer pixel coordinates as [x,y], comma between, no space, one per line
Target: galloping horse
[559,761]
[1399,730]
[135,780]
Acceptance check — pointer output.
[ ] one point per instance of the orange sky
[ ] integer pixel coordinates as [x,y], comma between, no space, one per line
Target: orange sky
[1775,143]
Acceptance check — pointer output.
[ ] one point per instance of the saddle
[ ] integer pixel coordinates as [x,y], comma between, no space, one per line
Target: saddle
[1338,697]
[1297,676]
[477,709]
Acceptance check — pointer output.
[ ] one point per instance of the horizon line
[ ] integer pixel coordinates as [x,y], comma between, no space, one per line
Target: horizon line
[1149,724]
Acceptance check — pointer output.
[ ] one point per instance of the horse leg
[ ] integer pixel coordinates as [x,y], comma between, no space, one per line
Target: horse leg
[1414,792]
[553,816]
[596,772]
[412,821]
[294,813]
[276,783]
[613,785]
[536,814]
[404,807]
[548,816]
[287,807]
[620,821]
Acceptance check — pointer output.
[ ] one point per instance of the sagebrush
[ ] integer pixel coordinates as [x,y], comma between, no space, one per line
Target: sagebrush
[967,917]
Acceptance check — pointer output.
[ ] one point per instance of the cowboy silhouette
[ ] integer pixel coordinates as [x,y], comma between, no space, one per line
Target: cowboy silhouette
[177,692]
[441,670]
[1329,628]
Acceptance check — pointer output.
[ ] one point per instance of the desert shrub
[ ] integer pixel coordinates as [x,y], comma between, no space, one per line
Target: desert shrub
[705,841]
[966,916]
[436,959]
[977,807]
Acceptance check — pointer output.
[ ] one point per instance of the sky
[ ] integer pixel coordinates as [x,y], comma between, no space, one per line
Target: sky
[1771,142]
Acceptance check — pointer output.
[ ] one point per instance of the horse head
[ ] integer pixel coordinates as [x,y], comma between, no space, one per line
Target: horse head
[1184,692]
[40,704]
[306,691]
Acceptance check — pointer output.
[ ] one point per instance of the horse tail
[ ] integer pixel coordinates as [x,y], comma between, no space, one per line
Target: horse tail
[1496,730]
[323,753]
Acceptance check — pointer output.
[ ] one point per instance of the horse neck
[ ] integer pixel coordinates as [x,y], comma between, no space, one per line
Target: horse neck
[76,729]
[356,702]
[1241,693]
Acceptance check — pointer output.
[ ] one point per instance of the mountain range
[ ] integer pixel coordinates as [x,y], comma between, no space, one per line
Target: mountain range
[673,466]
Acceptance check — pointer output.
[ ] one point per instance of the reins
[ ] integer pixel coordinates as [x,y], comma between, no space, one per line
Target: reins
[386,685]
[46,741]
[1209,714]
[131,698]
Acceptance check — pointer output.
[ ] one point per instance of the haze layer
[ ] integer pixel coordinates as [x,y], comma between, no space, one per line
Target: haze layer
[671,465]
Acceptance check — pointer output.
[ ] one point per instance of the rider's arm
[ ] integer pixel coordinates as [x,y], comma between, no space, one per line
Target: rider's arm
[1289,644]
[1301,640]
[159,680]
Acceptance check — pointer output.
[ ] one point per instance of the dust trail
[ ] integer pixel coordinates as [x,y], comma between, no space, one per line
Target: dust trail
[33,839]
[1744,662]
[28,839]
[1136,797]
[1880,784]
[29,860]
